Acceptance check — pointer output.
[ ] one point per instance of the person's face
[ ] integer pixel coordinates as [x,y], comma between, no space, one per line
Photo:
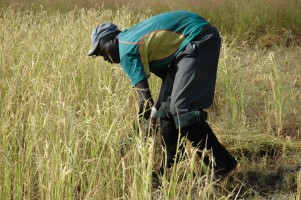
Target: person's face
[109,50]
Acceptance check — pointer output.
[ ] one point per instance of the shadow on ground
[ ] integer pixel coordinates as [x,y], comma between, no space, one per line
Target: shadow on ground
[264,183]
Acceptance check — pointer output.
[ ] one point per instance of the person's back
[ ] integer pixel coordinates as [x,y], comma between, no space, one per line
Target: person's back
[152,44]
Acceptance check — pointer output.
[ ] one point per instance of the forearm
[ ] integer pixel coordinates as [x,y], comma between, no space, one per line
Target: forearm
[145,99]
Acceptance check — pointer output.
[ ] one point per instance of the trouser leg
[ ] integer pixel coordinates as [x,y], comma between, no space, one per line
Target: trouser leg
[169,132]
[194,83]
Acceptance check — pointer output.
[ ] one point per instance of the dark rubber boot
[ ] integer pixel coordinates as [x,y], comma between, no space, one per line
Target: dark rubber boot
[170,139]
[202,136]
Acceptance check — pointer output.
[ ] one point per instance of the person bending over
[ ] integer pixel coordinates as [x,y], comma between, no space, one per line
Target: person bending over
[182,48]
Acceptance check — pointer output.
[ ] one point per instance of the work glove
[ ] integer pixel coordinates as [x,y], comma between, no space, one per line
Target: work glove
[154,120]
[154,113]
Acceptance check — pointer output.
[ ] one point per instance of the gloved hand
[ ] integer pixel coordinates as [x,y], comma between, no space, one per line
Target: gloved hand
[154,113]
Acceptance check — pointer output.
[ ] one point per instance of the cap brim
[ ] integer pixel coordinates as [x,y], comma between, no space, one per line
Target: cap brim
[92,50]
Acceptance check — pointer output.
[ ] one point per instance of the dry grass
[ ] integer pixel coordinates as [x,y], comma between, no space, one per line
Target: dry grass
[265,23]
[63,116]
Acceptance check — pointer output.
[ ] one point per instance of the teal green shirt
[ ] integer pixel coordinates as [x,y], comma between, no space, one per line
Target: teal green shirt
[152,44]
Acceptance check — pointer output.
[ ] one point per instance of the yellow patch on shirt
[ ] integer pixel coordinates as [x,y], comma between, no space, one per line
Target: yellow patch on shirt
[158,45]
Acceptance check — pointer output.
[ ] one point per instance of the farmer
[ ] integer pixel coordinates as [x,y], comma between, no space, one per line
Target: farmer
[183,50]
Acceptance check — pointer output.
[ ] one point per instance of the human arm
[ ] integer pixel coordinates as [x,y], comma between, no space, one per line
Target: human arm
[145,99]
[147,112]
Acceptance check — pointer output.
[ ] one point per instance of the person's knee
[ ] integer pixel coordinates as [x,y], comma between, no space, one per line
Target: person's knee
[189,118]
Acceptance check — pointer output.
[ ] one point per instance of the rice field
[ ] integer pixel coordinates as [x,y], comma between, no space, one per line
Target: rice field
[65,117]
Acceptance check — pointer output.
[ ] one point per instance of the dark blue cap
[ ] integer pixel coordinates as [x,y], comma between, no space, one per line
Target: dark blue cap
[100,32]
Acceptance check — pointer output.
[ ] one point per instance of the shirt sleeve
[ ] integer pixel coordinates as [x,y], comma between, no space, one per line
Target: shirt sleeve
[133,68]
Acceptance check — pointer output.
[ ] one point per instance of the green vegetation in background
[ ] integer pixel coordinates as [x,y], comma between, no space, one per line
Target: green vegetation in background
[254,22]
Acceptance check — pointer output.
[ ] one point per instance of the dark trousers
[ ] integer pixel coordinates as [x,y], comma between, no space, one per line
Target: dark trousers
[189,85]
[187,89]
